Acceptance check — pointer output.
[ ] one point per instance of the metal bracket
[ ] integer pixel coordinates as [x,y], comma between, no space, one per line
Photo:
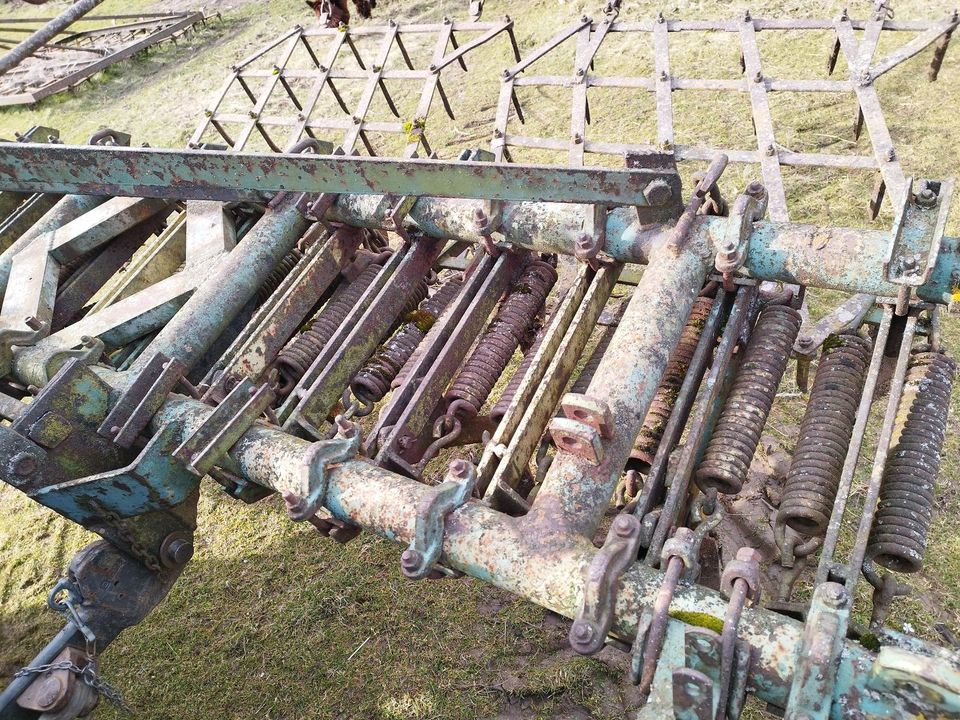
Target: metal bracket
[594,238]
[154,481]
[589,631]
[818,657]
[918,231]
[221,430]
[577,438]
[399,209]
[313,481]
[749,207]
[14,334]
[418,559]
[141,400]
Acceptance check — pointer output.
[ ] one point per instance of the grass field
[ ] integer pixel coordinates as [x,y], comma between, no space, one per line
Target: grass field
[269,619]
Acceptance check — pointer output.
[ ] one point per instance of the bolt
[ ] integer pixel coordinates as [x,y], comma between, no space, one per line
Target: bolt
[391,22]
[505,74]
[581,632]
[356,120]
[252,114]
[410,560]
[623,526]
[50,691]
[33,323]
[805,341]
[844,16]
[577,138]
[446,20]
[755,189]
[664,76]
[661,18]
[581,72]
[323,68]
[758,77]
[584,19]
[432,68]
[746,16]
[301,117]
[460,469]
[179,552]
[658,192]
[771,150]
[23,464]
[926,198]
[749,554]
[294,502]
[891,155]
[834,595]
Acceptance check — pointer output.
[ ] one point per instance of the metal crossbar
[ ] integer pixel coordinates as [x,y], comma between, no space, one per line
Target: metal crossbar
[315,58]
[771,156]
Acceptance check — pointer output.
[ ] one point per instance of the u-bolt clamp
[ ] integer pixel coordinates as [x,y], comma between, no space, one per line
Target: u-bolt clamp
[314,473]
[17,334]
[418,559]
[740,582]
[678,560]
[749,207]
[619,551]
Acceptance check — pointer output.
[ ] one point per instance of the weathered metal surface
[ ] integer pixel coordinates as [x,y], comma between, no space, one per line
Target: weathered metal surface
[38,68]
[107,440]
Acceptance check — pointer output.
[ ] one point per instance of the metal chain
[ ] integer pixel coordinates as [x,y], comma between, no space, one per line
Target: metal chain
[114,521]
[88,674]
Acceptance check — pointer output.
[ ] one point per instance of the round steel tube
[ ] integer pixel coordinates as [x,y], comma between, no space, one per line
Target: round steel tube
[575,493]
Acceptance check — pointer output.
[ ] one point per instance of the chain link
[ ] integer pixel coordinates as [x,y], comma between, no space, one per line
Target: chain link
[88,674]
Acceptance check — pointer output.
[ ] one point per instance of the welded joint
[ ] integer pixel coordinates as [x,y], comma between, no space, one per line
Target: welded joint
[589,409]
[602,578]
[818,654]
[141,400]
[399,209]
[924,681]
[314,477]
[221,430]
[418,560]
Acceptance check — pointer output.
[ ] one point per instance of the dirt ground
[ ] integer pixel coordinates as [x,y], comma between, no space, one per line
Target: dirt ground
[270,620]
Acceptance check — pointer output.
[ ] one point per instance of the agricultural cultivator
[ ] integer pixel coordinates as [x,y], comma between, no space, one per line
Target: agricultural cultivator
[493,363]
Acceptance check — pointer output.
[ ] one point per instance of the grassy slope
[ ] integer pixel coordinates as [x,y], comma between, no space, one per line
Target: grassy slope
[271,621]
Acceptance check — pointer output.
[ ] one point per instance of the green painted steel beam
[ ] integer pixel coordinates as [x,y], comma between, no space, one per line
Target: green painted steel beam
[207,175]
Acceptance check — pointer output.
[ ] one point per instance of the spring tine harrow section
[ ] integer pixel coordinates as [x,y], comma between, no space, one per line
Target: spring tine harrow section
[560,379]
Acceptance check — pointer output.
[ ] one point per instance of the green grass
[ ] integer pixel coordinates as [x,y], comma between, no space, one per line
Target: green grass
[270,620]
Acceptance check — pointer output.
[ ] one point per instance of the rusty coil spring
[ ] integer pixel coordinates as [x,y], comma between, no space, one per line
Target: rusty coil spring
[898,538]
[654,424]
[278,274]
[503,403]
[372,383]
[810,489]
[480,373]
[299,354]
[737,433]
